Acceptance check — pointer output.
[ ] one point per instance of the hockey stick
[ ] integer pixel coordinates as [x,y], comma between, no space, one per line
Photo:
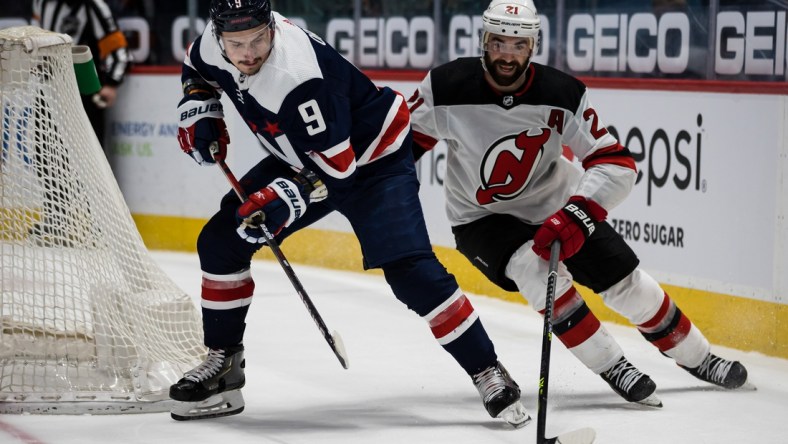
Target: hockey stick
[581,436]
[333,339]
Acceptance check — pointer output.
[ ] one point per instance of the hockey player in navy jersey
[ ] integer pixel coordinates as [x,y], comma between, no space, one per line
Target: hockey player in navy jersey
[510,193]
[336,143]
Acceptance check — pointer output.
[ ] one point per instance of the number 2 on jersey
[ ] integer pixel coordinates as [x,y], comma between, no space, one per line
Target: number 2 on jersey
[310,112]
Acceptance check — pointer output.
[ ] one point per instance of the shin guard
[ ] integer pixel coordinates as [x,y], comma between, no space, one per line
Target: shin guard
[225,302]
[674,335]
[580,331]
[456,327]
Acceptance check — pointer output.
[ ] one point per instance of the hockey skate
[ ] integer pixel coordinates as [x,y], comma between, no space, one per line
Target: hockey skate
[213,388]
[721,372]
[631,384]
[501,395]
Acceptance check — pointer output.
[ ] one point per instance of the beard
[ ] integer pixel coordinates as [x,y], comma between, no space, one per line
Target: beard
[504,79]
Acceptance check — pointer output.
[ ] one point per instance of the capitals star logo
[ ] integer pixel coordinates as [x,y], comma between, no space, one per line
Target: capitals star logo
[272,128]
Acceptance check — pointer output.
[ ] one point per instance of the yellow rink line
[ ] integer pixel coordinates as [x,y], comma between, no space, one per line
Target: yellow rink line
[731,321]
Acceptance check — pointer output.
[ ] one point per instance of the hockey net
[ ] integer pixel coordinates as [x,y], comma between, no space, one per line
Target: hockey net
[88,322]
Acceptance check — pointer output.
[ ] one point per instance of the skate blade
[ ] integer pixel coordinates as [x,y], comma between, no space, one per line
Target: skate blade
[222,404]
[651,401]
[515,415]
[746,387]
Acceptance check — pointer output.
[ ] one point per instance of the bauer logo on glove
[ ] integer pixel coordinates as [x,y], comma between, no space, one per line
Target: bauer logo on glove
[209,109]
[276,206]
[201,125]
[581,217]
[571,225]
[296,201]
[191,110]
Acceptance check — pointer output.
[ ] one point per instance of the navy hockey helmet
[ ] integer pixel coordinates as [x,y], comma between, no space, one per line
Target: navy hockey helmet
[239,15]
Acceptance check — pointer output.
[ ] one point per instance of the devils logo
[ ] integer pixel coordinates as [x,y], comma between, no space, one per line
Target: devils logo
[509,165]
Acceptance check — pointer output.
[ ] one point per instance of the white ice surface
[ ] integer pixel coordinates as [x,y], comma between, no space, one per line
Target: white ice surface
[403,388]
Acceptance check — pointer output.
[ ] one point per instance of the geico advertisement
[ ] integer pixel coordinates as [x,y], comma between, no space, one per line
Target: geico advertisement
[743,42]
[703,212]
[748,42]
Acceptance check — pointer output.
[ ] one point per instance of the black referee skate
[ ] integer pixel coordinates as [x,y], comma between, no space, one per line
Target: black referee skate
[213,388]
[721,372]
[631,384]
[501,395]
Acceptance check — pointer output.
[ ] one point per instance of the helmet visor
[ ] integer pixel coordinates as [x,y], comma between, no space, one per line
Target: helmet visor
[522,47]
[237,45]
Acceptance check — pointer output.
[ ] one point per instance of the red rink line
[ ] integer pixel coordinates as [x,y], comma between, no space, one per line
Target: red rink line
[19,434]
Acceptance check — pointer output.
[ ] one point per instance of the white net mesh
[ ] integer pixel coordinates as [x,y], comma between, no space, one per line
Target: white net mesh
[88,322]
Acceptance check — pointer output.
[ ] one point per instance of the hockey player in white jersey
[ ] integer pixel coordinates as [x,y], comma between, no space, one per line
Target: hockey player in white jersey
[337,143]
[510,193]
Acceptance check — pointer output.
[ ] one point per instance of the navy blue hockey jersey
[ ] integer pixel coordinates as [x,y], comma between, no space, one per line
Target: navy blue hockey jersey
[307,105]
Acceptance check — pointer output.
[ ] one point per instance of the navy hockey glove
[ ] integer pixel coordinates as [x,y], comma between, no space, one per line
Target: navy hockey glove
[572,225]
[278,205]
[201,123]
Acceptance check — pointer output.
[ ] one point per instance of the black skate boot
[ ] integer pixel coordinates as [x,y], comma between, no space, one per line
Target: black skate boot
[631,384]
[721,372]
[213,388]
[501,395]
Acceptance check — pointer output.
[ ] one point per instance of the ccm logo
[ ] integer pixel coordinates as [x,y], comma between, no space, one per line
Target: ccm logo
[213,107]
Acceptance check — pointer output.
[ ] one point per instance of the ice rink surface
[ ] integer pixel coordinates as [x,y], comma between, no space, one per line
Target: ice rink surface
[403,388]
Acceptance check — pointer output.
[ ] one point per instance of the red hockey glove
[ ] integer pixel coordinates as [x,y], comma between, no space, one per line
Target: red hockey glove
[201,124]
[572,225]
[278,205]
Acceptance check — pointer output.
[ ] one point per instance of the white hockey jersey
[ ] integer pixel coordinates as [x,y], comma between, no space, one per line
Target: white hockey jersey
[505,150]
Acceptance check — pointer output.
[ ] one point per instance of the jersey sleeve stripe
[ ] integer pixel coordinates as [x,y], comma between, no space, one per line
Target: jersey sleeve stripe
[615,155]
[340,165]
[336,149]
[395,128]
[424,141]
